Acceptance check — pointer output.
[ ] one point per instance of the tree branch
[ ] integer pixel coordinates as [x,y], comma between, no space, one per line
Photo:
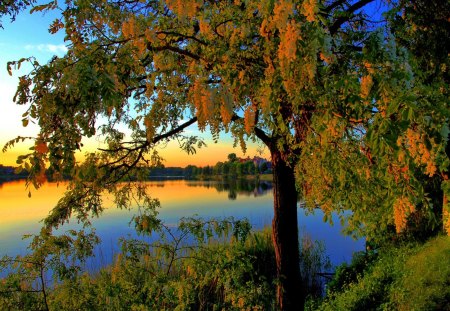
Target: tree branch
[263,137]
[174,131]
[349,119]
[173,49]
[334,5]
[348,15]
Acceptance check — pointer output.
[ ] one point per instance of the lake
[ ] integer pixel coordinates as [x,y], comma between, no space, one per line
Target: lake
[21,215]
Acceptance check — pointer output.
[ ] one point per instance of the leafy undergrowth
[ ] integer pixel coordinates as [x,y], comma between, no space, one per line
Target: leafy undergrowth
[227,268]
[411,277]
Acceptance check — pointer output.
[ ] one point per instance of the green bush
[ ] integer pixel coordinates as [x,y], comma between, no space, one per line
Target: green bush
[411,277]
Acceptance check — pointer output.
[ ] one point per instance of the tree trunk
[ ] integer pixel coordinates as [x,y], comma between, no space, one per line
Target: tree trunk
[285,235]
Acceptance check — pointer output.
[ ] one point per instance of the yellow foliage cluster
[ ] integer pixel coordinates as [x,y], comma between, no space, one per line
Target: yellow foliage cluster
[184,8]
[264,99]
[446,214]
[129,27]
[414,142]
[226,107]
[202,98]
[369,67]
[326,57]
[310,9]
[150,35]
[366,86]
[446,220]
[249,119]
[205,28]
[402,208]
[281,12]
[288,44]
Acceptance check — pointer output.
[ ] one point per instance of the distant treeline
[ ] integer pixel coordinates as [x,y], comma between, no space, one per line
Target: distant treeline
[233,167]
[8,173]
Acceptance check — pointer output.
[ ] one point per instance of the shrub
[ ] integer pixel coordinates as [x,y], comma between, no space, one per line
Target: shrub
[201,265]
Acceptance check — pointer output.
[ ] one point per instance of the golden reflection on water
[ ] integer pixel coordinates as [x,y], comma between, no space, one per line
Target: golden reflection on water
[16,207]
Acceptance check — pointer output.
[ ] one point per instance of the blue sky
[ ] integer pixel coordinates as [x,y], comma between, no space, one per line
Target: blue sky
[27,36]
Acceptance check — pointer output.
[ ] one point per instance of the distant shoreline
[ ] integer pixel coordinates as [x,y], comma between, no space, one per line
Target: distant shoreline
[7,173]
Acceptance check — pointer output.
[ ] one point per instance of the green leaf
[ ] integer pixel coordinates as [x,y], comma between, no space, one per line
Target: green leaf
[8,67]
[445,131]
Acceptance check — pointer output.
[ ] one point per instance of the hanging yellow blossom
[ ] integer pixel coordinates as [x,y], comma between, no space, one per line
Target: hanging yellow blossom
[288,43]
[249,119]
[205,29]
[265,29]
[310,9]
[281,12]
[226,108]
[402,208]
[183,8]
[366,86]
[369,67]
[422,155]
[446,220]
[266,92]
[129,27]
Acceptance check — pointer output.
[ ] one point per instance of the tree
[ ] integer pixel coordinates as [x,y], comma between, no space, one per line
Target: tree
[232,157]
[218,168]
[304,77]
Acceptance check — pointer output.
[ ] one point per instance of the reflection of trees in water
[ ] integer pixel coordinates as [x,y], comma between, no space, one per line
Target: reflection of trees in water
[236,187]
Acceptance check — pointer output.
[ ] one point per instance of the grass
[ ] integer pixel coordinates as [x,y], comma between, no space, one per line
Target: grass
[411,277]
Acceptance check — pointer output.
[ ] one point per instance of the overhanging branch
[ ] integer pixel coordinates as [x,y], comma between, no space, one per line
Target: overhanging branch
[173,49]
[174,131]
[348,15]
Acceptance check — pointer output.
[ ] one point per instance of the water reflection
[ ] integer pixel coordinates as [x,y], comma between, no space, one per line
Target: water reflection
[235,187]
[249,199]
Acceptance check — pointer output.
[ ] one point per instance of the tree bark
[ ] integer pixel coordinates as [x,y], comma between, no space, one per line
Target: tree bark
[290,295]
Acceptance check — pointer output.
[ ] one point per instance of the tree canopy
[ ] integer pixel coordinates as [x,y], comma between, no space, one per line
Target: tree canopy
[354,112]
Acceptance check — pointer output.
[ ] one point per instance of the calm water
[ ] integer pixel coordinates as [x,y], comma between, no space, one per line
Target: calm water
[21,215]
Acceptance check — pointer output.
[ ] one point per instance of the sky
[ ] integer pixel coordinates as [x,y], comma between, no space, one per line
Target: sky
[28,36]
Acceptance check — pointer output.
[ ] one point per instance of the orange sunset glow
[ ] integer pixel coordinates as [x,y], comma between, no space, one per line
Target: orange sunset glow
[171,153]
